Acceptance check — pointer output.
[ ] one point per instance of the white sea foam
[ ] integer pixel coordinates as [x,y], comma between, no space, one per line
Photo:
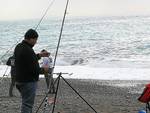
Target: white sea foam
[86,72]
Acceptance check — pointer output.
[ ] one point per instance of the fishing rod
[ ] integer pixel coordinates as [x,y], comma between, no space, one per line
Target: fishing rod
[60,35]
[58,78]
[54,63]
[59,39]
[56,53]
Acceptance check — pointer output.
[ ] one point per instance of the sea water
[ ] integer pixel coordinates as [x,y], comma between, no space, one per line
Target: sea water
[90,47]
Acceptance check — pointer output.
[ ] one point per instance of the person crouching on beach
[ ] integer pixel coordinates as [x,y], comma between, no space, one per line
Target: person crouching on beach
[11,62]
[28,69]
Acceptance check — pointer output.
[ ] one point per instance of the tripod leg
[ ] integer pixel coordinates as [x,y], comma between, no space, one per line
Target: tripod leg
[52,87]
[41,103]
[46,96]
[56,93]
[79,95]
[148,107]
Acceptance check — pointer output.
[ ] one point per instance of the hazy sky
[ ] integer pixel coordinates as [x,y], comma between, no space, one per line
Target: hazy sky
[26,9]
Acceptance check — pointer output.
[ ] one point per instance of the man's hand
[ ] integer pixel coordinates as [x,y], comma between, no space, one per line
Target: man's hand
[46,69]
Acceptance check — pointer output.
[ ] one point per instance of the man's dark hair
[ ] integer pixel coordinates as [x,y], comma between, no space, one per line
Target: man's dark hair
[43,50]
[31,34]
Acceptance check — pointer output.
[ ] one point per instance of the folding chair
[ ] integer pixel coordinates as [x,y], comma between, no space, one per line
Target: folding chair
[145,97]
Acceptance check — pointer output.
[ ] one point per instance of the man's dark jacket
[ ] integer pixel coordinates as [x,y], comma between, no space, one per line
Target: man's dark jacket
[26,62]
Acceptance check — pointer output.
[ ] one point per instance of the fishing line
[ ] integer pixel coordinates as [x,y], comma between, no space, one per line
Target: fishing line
[7,66]
[9,49]
[51,3]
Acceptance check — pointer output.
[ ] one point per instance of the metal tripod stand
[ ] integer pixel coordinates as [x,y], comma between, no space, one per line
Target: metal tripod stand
[56,92]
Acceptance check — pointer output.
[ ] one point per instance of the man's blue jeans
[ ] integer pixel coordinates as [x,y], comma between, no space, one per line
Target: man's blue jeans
[28,92]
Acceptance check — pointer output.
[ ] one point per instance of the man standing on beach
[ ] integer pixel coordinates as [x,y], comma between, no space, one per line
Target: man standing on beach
[28,70]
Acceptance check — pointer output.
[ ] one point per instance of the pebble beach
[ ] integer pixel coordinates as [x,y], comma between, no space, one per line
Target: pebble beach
[104,96]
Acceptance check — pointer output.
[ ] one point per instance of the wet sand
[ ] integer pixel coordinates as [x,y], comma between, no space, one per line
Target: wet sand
[103,95]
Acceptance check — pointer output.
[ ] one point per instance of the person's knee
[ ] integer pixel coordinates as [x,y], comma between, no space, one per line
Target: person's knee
[28,101]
